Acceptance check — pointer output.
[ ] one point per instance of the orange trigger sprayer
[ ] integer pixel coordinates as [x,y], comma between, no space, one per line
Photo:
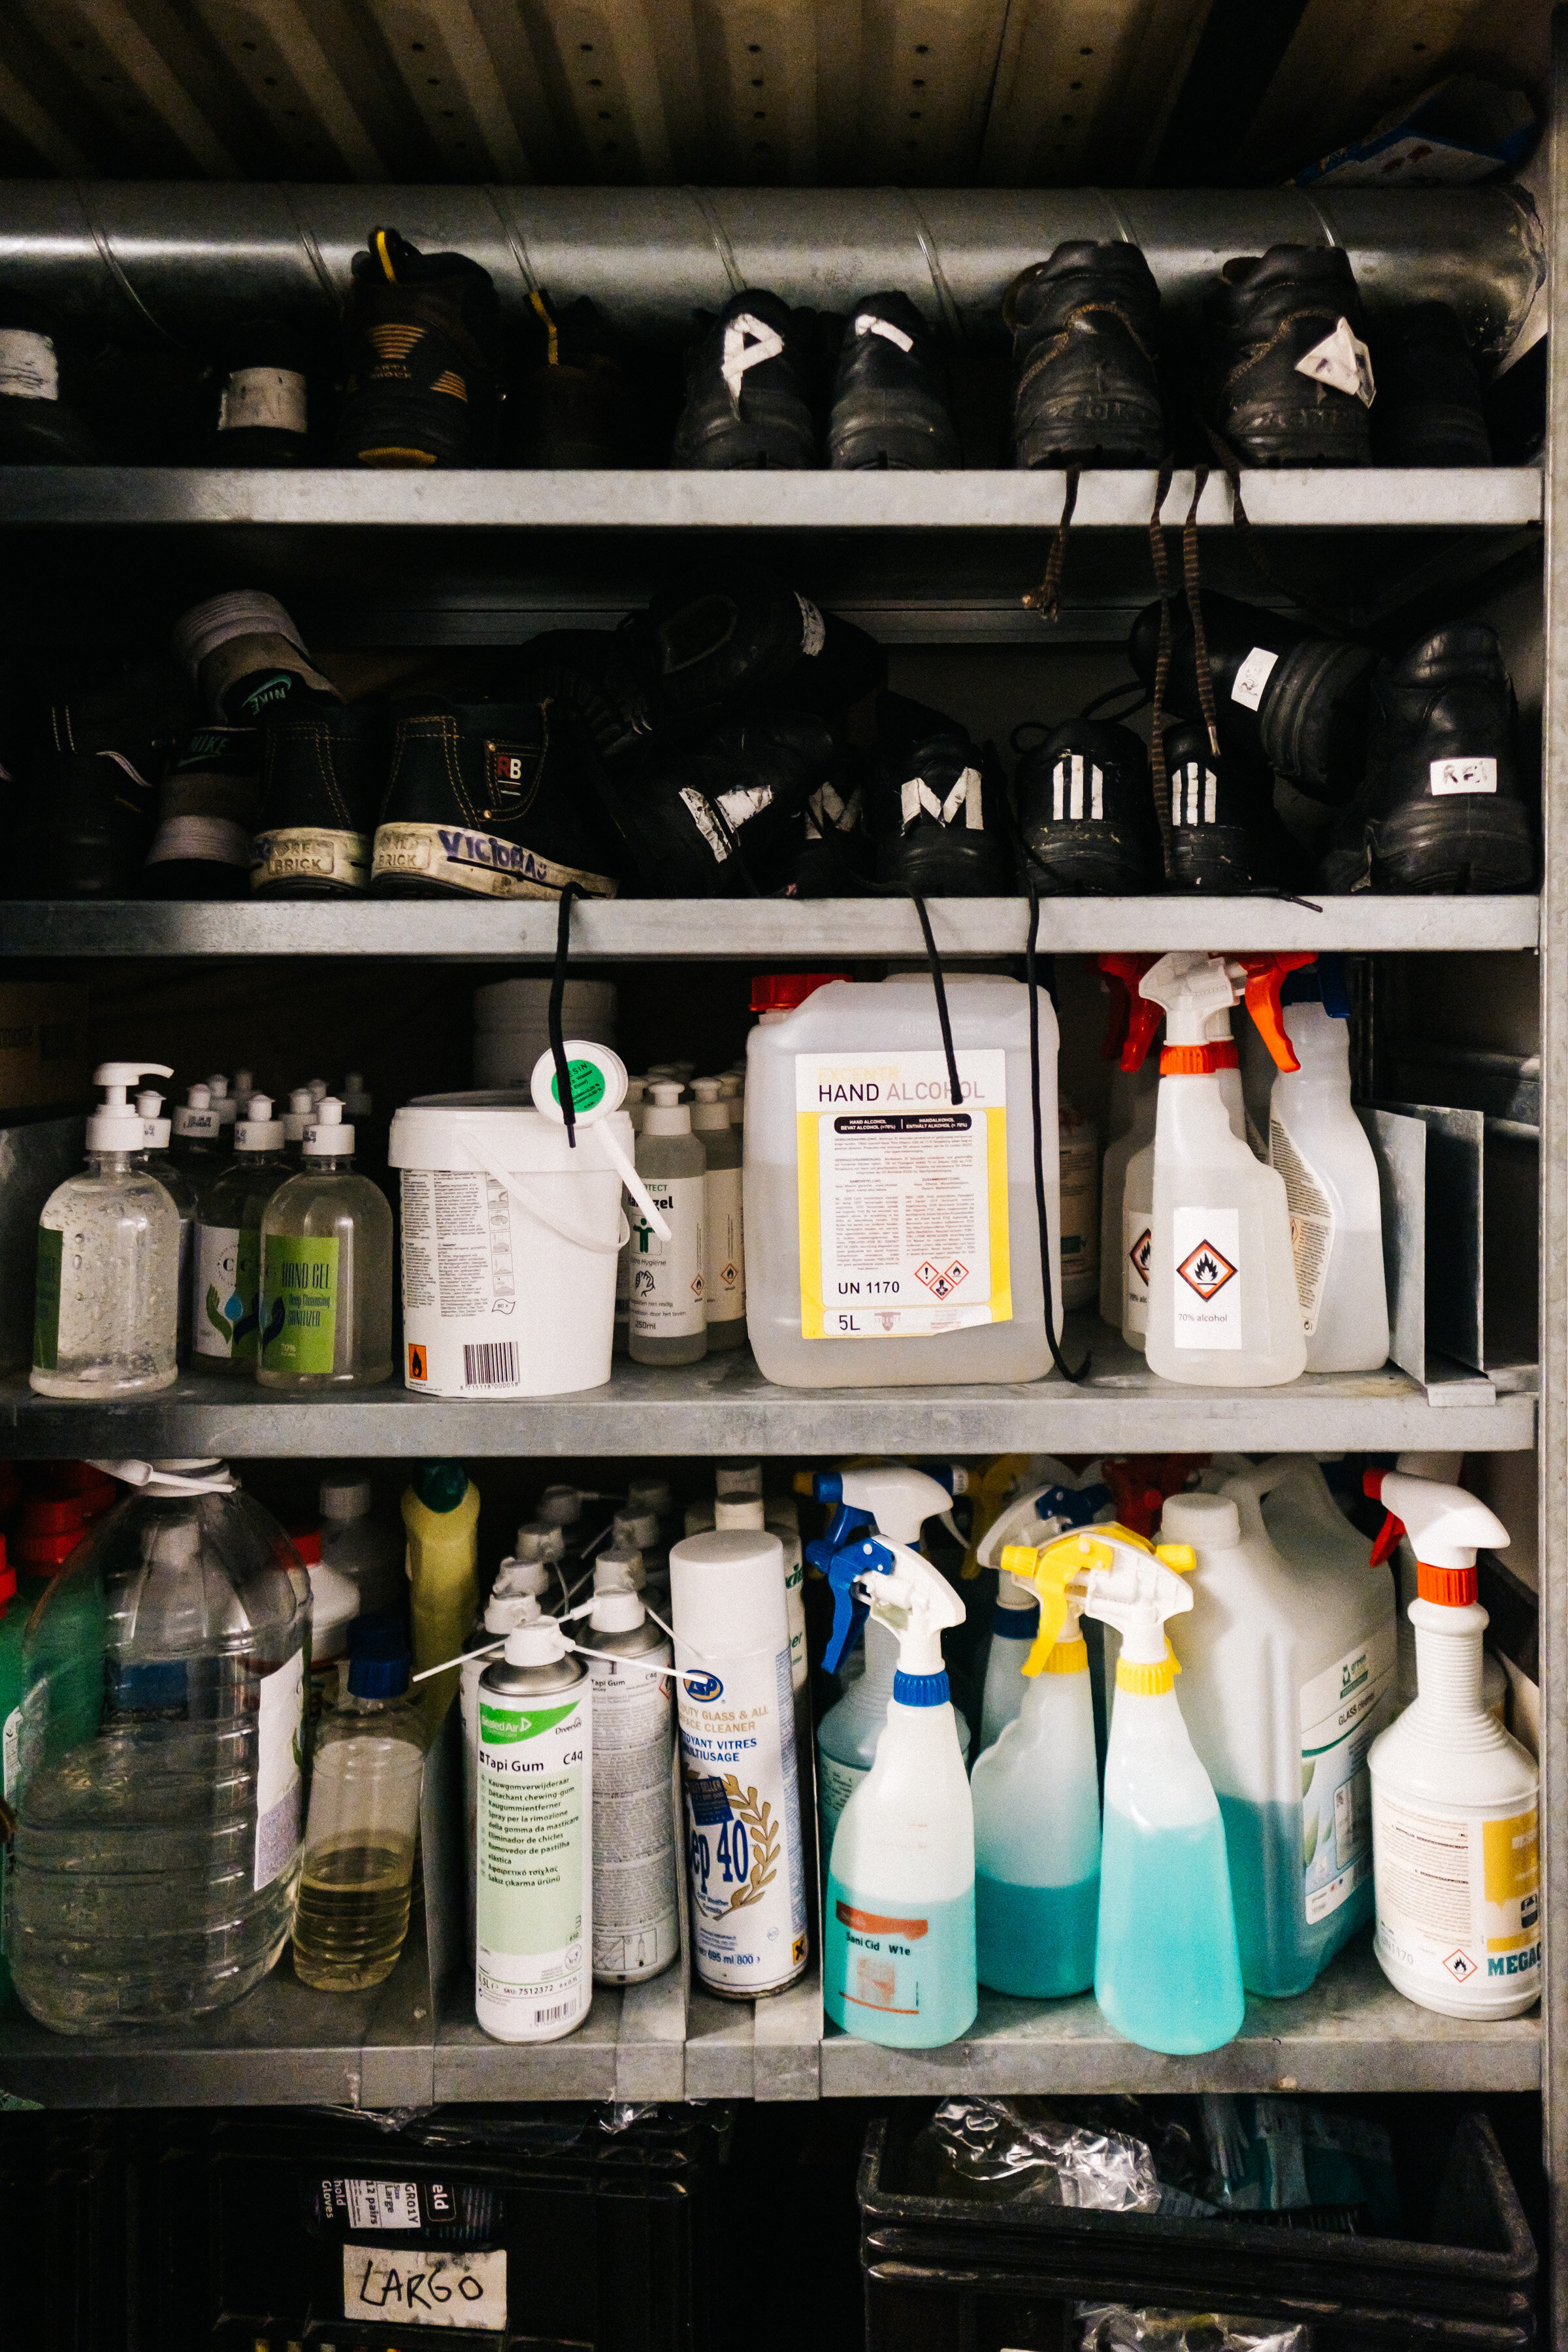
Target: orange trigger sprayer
[1265,974]
[1134,1020]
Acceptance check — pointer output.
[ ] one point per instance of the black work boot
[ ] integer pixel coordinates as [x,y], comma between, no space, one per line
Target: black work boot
[751,385]
[207,807]
[41,383]
[891,402]
[263,416]
[1441,807]
[1282,695]
[746,642]
[1225,835]
[576,401]
[1428,410]
[1086,814]
[727,819]
[323,773]
[247,659]
[423,331]
[491,800]
[595,672]
[1283,361]
[1086,332]
[935,807]
[83,785]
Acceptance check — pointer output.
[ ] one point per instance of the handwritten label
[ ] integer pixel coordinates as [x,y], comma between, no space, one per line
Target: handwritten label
[425,2288]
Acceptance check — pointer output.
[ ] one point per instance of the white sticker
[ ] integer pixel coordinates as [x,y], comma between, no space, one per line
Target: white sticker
[1463,776]
[829,812]
[1459,1897]
[867,324]
[1137,1234]
[723,1245]
[918,799]
[1205,1277]
[668,1291]
[836,1784]
[1342,361]
[28,367]
[217,1305]
[1253,676]
[1343,1710]
[733,809]
[1067,796]
[425,2289]
[279,1718]
[1311,1219]
[902,1195]
[747,344]
[813,627]
[268,397]
[381,2204]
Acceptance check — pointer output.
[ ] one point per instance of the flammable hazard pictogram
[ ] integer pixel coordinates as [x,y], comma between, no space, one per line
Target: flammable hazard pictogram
[1460,1967]
[1139,1255]
[416,1366]
[1206,1270]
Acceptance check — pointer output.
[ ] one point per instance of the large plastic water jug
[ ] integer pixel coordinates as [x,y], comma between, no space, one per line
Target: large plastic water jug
[158,1816]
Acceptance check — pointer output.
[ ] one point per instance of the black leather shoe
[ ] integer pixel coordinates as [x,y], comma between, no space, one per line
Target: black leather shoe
[1282,359]
[247,659]
[41,383]
[1225,835]
[750,388]
[492,800]
[892,402]
[837,860]
[207,804]
[423,333]
[1428,409]
[323,773]
[749,640]
[576,401]
[1442,806]
[82,788]
[1295,701]
[1086,814]
[592,671]
[727,819]
[935,806]
[1086,332]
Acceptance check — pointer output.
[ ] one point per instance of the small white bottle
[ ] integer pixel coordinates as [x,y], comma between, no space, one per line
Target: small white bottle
[1138,1183]
[106,1306]
[197,1145]
[620,1343]
[1320,1147]
[225,1104]
[156,1159]
[669,1315]
[723,1246]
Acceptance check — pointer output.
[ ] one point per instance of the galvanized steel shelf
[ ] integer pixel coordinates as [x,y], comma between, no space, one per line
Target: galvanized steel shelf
[684,930]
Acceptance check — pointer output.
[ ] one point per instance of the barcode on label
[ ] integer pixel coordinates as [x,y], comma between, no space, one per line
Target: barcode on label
[554,2016]
[491,1365]
[383,2204]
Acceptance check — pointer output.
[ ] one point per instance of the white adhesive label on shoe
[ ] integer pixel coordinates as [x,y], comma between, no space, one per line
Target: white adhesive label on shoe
[1137,1234]
[1205,1277]
[426,2287]
[271,398]
[1311,1220]
[29,369]
[867,324]
[1253,676]
[668,1291]
[902,1196]
[747,344]
[813,627]
[279,1720]
[1343,1710]
[1463,776]
[724,1264]
[1459,1897]
[1342,361]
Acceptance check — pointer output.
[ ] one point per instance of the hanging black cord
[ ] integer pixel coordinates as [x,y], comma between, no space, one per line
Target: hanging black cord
[1031,947]
[934,961]
[557,998]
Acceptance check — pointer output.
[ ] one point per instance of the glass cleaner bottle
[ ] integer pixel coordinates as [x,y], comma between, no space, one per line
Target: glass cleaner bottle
[226,1279]
[105,1317]
[326,1270]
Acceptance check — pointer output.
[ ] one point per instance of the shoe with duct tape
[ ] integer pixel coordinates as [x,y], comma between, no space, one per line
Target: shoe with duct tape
[423,332]
[891,401]
[1282,694]
[836,859]
[41,383]
[748,641]
[750,388]
[81,784]
[492,800]
[726,820]
[1442,806]
[247,659]
[1289,377]
[1428,410]
[323,774]
[1085,815]
[935,806]
[1085,332]
[207,807]
[1225,833]
[263,397]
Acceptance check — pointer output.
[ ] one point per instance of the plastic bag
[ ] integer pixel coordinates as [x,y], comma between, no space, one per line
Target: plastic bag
[1117,2328]
[997,2150]
[1278,2155]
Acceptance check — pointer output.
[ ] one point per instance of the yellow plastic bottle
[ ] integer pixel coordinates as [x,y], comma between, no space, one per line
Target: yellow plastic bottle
[441,1515]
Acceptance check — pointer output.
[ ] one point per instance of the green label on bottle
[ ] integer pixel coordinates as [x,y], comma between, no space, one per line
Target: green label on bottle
[46,1300]
[299,1304]
[587,1086]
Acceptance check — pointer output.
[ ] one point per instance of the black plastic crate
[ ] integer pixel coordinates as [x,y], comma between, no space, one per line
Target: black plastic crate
[946,2275]
[61,2194]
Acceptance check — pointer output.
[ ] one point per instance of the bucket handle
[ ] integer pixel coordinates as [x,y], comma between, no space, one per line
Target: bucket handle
[512,1186]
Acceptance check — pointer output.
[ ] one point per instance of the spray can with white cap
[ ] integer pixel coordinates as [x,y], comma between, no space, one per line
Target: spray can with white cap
[669,1312]
[751,1511]
[898,1962]
[106,1302]
[1454,1801]
[736,1707]
[156,1157]
[637,1928]
[226,1275]
[326,1269]
[533,1862]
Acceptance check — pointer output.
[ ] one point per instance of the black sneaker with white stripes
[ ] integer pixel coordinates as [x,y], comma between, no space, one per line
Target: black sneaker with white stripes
[1225,833]
[935,806]
[1086,814]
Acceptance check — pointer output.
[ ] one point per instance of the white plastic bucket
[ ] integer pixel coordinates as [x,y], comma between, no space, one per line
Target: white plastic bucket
[511,1024]
[510,1244]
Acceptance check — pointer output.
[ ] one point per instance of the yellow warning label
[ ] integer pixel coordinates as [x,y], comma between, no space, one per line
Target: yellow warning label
[1511,1857]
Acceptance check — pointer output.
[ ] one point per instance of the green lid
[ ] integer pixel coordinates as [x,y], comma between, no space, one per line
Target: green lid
[440,1486]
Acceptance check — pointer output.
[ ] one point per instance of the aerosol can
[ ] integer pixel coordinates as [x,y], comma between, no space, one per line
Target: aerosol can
[1454,1801]
[899,1922]
[533,1867]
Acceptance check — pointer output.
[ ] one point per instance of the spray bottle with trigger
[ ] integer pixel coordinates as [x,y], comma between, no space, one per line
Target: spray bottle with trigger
[898,1921]
[1030,1519]
[1167,1972]
[1223,1303]
[1131,1030]
[1454,1801]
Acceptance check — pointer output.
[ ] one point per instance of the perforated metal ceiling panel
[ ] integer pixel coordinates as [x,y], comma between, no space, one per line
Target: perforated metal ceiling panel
[831,93]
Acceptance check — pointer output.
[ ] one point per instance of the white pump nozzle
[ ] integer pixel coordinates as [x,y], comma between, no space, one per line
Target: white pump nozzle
[914,1601]
[116,1125]
[326,1137]
[899,1499]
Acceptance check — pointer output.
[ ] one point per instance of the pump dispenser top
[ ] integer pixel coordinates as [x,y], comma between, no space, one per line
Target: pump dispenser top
[116,1125]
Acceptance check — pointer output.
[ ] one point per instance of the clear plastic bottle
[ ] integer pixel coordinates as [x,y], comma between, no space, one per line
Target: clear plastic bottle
[668,1317]
[198,1146]
[105,1304]
[296,1120]
[225,1104]
[1320,1147]
[326,1270]
[364,1817]
[723,1243]
[157,1846]
[157,1159]
[226,1279]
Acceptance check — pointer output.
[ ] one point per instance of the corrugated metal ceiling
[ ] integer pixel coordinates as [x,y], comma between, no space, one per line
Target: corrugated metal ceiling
[831,93]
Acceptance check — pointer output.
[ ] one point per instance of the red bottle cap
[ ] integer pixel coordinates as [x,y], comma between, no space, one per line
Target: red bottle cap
[7,1579]
[307,1542]
[51,1527]
[780,991]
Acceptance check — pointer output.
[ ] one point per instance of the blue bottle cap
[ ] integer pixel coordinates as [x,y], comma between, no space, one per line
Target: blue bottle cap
[920,1690]
[379,1664]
